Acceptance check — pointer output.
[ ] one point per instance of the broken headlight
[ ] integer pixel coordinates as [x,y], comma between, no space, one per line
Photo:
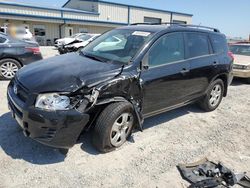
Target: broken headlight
[53,101]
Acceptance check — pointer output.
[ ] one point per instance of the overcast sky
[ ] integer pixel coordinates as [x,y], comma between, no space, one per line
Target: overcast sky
[231,17]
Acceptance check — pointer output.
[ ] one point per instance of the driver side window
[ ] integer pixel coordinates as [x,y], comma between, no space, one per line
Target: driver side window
[168,49]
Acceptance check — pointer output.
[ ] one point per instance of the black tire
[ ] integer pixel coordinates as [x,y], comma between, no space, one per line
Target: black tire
[102,132]
[205,103]
[8,60]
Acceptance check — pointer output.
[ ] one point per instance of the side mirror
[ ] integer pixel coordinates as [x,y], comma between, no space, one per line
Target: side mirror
[145,62]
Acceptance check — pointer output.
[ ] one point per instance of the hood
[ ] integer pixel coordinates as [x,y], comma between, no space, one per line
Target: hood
[65,73]
[65,40]
[241,59]
[68,40]
[80,44]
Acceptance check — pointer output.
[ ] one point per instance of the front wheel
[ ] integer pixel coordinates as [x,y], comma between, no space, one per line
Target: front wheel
[8,68]
[213,97]
[113,126]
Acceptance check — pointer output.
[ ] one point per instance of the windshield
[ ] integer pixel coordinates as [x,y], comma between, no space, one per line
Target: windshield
[119,45]
[84,37]
[240,49]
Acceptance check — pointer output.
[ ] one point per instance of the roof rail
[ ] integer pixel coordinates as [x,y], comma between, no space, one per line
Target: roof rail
[179,24]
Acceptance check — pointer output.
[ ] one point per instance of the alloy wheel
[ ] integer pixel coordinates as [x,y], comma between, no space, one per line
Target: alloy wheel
[121,129]
[8,69]
[215,95]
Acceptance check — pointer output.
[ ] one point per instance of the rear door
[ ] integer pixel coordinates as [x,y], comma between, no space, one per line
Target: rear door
[166,81]
[203,62]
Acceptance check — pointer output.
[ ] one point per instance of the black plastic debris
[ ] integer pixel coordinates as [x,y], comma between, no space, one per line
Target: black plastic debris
[207,174]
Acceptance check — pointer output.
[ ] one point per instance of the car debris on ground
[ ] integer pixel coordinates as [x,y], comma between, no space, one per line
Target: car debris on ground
[206,174]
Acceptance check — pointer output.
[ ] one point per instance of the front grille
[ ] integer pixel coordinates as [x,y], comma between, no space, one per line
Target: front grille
[15,110]
[241,67]
[21,91]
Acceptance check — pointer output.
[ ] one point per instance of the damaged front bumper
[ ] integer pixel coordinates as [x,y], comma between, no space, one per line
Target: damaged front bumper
[59,129]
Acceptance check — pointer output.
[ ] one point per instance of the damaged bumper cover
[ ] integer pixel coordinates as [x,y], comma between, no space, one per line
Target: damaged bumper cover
[59,129]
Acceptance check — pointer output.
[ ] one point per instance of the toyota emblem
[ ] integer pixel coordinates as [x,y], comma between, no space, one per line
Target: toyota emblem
[15,89]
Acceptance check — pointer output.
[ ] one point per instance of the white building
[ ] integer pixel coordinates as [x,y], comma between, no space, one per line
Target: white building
[93,16]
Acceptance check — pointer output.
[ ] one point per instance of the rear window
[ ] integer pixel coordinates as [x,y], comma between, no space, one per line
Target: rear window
[219,44]
[197,44]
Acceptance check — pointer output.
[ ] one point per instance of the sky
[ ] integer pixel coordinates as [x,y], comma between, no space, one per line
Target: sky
[231,17]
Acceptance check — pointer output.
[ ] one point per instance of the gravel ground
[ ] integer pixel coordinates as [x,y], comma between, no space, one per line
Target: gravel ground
[149,159]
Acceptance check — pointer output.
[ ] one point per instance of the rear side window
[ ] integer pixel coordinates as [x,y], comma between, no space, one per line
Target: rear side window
[168,49]
[219,44]
[197,44]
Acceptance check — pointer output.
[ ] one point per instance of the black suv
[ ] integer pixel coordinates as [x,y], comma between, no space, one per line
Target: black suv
[110,88]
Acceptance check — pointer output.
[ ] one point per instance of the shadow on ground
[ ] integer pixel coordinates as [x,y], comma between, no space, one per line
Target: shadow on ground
[239,82]
[149,123]
[17,146]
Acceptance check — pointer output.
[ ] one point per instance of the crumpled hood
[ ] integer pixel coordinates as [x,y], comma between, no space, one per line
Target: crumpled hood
[65,73]
[80,44]
[65,41]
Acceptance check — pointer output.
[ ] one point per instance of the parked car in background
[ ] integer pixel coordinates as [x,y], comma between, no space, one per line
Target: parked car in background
[111,90]
[20,33]
[241,66]
[79,43]
[15,53]
[67,40]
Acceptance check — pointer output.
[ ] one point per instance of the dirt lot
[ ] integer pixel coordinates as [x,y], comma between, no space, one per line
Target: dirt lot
[149,159]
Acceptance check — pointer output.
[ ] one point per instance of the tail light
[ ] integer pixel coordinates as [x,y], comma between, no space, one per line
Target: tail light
[230,54]
[34,50]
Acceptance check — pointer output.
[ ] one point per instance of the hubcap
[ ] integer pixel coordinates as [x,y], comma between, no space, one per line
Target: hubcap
[215,95]
[8,69]
[121,128]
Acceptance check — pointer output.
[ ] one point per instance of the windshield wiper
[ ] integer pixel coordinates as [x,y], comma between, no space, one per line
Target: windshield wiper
[92,57]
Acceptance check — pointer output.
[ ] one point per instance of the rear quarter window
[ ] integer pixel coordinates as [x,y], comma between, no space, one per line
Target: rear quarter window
[219,44]
[197,44]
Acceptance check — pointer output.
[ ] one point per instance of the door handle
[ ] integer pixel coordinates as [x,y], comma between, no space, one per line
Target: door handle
[185,71]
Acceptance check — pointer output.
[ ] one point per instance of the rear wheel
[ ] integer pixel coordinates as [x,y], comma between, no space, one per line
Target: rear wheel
[8,68]
[213,97]
[113,126]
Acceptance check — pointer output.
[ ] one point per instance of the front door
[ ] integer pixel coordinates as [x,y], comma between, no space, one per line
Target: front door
[166,82]
[68,31]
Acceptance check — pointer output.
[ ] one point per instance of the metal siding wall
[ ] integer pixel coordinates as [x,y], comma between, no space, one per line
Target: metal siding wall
[137,15]
[91,29]
[113,13]
[187,19]
[29,11]
[80,16]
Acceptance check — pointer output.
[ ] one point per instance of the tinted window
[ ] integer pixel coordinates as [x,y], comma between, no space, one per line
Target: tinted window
[168,49]
[111,39]
[219,43]
[197,44]
[240,49]
[2,40]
